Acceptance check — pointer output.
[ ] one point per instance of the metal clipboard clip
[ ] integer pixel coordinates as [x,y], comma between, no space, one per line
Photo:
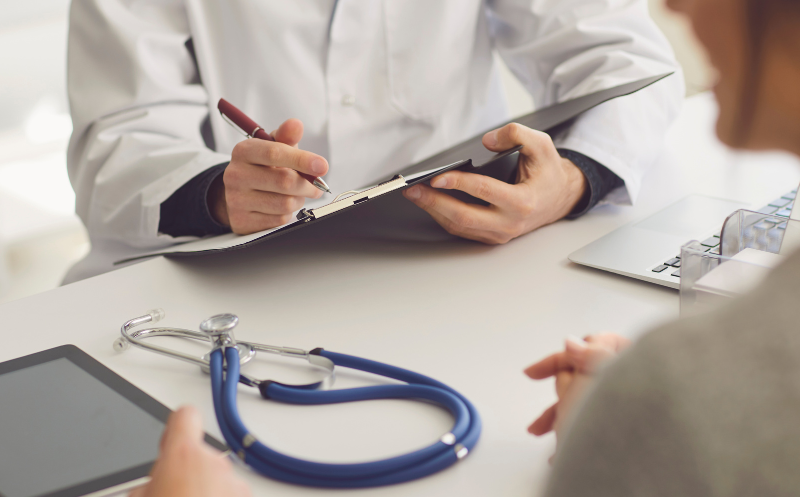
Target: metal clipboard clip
[342,203]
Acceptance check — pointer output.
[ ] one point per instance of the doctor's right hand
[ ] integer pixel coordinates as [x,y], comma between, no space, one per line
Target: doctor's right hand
[261,187]
[186,466]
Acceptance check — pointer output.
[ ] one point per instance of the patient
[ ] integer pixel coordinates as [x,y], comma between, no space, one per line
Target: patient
[705,406]
[708,405]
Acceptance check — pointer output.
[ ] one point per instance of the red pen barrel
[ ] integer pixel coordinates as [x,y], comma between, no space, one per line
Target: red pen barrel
[263,135]
[250,127]
[240,119]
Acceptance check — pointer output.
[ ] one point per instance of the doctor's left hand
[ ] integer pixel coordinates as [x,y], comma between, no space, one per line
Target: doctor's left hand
[186,466]
[548,187]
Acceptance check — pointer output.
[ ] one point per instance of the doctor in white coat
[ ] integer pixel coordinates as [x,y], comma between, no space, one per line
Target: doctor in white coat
[369,86]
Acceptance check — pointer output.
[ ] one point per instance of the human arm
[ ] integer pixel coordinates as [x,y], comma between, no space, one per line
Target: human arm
[632,433]
[187,212]
[186,467]
[563,51]
[139,110]
[549,186]
[258,189]
[141,121]
[567,49]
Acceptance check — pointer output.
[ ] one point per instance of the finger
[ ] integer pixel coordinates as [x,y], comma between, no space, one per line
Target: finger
[491,236]
[276,154]
[596,357]
[549,366]
[576,351]
[563,381]
[457,216]
[245,223]
[290,132]
[483,236]
[183,425]
[610,340]
[242,489]
[535,144]
[587,357]
[577,390]
[494,191]
[265,202]
[248,177]
[544,423]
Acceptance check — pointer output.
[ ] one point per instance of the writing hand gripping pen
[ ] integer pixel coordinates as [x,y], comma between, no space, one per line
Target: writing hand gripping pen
[249,128]
[261,187]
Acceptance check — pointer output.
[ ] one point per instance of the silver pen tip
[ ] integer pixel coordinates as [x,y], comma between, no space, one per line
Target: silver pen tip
[320,183]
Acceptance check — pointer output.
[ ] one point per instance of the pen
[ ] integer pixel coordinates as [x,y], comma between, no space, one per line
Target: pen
[250,129]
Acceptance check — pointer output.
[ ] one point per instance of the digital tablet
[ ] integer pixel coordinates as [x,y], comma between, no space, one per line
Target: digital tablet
[70,426]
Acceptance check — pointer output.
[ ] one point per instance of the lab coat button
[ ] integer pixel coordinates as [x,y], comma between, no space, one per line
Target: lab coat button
[348,100]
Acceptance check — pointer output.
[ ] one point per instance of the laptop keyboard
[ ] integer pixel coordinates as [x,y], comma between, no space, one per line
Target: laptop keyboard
[781,206]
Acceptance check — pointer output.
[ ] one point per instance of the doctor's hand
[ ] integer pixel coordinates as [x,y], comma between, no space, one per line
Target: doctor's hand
[187,467]
[261,187]
[574,370]
[548,187]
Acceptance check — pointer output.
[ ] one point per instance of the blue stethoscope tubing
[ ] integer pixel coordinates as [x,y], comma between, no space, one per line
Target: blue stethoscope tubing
[270,463]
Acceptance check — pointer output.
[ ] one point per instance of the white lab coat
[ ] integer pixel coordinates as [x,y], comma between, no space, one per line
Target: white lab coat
[381,84]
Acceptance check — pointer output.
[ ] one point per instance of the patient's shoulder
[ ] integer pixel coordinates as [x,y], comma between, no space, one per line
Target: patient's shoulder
[701,406]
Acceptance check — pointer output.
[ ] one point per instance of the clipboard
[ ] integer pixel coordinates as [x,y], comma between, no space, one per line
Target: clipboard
[470,156]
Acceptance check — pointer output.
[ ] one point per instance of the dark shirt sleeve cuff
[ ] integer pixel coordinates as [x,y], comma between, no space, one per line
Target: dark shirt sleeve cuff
[599,179]
[186,212]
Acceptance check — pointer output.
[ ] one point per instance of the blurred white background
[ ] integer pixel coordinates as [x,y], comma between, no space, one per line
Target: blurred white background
[40,236]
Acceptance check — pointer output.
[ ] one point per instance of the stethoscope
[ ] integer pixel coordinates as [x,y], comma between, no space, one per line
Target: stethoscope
[224,363]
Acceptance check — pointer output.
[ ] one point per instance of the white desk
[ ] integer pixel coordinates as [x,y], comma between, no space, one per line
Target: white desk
[469,315]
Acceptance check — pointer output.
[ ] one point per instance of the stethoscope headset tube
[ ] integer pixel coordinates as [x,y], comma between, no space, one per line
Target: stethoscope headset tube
[445,452]
[224,367]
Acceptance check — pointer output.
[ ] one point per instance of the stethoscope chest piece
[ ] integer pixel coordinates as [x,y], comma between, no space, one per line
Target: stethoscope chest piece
[219,329]
[219,324]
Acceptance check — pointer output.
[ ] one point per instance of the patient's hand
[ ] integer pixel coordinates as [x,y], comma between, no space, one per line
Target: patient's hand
[574,370]
[548,188]
[187,467]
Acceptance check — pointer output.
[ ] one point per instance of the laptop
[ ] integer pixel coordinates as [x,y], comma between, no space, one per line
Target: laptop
[649,250]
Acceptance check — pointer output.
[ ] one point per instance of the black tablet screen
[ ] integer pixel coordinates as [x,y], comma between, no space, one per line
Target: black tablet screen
[60,426]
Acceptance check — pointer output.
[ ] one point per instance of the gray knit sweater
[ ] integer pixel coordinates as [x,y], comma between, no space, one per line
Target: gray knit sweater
[703,406]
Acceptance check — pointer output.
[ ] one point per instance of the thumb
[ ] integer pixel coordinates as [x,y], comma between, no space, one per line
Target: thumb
[536,145]
[290,132]
[184,425]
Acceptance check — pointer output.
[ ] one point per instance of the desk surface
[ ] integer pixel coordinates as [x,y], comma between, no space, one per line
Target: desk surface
[469,315]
